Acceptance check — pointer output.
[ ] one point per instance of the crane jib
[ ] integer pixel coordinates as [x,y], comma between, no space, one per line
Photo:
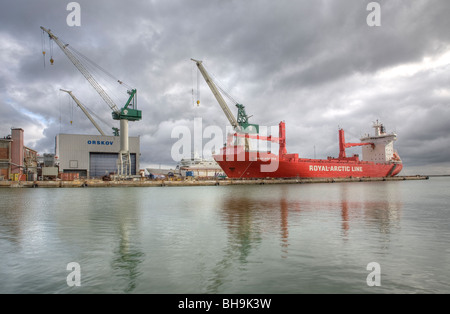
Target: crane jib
[241,123]
[127,113]
[217,94]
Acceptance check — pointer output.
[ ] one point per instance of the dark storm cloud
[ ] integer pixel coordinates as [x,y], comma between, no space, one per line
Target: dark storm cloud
[315,64]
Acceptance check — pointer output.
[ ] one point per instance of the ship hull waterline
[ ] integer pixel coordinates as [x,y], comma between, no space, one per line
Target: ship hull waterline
[270,166]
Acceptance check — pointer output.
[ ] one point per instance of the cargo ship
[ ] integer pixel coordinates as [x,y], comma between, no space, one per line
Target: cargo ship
[238,161]
[379,159]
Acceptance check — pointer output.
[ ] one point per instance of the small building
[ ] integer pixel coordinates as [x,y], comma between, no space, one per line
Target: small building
[30,163]
[93,156]
[17,162]
[5,157]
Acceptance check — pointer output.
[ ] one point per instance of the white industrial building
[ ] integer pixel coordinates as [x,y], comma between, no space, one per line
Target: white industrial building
[93,155]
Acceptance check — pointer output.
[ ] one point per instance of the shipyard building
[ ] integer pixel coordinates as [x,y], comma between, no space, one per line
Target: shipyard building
[93,155]
[17,162]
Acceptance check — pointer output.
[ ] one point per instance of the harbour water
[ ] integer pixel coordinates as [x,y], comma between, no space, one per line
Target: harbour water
[257,239]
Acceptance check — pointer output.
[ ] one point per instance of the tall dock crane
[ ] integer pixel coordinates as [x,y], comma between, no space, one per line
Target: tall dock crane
[84,110]
[241,124]
[128,112]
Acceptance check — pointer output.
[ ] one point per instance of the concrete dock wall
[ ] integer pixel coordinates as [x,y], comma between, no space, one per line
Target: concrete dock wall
[169,183]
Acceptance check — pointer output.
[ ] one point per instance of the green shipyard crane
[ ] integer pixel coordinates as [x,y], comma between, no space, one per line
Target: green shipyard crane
[128,112]
[240,124]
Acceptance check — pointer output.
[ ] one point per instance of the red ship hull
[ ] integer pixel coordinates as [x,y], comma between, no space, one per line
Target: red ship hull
[238,163]
[265,165]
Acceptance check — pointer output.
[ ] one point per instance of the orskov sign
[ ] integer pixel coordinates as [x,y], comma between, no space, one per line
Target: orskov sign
[90,142]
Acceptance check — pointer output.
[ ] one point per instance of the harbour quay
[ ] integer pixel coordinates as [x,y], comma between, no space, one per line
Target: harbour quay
[169,183]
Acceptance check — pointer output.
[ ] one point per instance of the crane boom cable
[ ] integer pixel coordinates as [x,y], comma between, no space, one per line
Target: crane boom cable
[217,95]
[89,110]
[226,94]
[221,88]
[108,85]
[103,70]
[43,45]
[83,108]
[50,47]
[98,117]
[192,77]
[104,78]
[84,71]
[198,86]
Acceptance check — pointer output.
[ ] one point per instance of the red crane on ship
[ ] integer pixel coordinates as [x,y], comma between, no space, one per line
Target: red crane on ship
[343,145]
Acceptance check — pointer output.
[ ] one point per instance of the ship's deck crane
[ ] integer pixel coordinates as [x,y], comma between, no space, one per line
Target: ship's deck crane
[241,124]
[343,145]
[129,112]
[84,110]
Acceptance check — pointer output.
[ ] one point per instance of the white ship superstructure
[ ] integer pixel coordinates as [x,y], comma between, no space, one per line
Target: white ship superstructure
[200,167]
[194,166]
[382,150]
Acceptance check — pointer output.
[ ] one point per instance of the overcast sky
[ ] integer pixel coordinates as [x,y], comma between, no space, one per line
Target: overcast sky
[316,64]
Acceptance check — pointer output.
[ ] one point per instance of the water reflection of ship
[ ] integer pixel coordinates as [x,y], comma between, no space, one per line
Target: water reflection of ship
[382,211]
[249,219]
